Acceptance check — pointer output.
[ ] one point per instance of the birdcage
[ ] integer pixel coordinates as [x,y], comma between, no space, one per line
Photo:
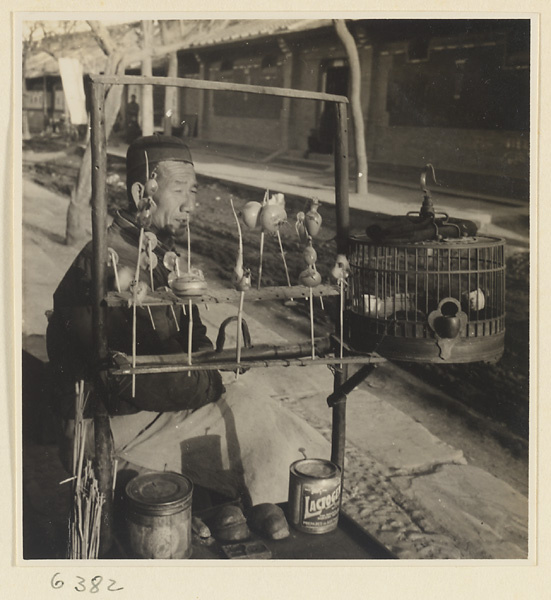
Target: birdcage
[428,300]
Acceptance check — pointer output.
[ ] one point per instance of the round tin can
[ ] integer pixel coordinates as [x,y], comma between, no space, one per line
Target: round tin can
[314,495]
[158,515]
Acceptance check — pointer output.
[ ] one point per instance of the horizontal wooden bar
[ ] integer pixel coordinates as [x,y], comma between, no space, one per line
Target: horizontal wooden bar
[202,84]
[247,364]
[323,345]
[224,296]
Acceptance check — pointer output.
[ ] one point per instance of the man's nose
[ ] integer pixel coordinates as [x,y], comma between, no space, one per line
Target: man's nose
[188,205]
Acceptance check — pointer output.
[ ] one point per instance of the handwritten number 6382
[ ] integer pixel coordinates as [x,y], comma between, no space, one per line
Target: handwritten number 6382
[82,584]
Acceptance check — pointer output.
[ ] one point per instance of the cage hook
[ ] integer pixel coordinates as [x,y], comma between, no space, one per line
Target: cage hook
[427,208]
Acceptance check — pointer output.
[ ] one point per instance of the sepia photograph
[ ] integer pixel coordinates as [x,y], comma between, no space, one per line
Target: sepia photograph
[275,288]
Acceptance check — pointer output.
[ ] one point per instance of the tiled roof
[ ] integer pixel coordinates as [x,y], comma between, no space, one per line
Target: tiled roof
[193,34]
[213,33]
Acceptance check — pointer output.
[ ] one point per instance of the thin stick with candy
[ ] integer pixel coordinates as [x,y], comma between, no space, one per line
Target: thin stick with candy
[241,280]
[190,326]
[134,303]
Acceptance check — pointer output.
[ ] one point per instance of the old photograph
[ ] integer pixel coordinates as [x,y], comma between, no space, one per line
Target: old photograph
[275,288]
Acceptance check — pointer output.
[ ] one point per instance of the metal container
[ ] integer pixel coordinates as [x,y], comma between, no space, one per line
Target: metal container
[159,515]
[314,495]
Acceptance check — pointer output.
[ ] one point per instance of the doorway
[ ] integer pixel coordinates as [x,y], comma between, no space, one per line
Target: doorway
[335,80]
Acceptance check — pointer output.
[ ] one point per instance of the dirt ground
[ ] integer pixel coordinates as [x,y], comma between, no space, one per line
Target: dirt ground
[499,391]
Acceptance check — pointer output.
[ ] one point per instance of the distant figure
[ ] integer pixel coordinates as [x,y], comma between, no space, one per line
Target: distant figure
[133,129]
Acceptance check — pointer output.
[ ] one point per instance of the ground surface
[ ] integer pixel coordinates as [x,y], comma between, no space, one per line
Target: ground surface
[499,391]
[389,501]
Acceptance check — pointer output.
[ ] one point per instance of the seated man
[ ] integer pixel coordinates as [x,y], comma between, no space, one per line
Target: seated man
[230,442]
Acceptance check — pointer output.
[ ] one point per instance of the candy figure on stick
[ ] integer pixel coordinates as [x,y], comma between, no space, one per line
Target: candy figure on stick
[307,226]
[241,281]
[188,284]
[250,214]
[311,278]
[142,194]
[270,218]
[312,218]
[340,273]
[308,223]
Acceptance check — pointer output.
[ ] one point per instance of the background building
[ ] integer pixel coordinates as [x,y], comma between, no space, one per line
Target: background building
[452,92]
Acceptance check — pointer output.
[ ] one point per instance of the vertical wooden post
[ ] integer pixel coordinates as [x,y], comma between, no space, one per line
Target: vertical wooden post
[102,429]
[338,430]
[341,178]
[338,435]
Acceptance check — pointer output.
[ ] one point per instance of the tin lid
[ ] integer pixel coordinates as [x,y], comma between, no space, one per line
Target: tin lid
[159,493]
[316,467]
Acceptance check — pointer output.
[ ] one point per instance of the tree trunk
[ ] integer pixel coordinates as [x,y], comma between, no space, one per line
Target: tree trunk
[147,70]
[78,213]
[355,104]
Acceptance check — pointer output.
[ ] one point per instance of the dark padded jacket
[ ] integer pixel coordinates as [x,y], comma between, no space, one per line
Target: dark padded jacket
[70,345]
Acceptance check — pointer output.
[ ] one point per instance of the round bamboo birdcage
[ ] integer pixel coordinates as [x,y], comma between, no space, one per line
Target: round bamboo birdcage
[438,300]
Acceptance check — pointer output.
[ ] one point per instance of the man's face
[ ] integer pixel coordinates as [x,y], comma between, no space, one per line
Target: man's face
[175,197]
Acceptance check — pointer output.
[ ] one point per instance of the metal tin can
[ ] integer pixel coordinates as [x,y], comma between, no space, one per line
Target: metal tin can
[158,515]
[314,495]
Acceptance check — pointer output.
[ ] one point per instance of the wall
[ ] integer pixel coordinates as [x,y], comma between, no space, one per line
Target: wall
[498,153]
[461,104]
[471,105]
[244,119]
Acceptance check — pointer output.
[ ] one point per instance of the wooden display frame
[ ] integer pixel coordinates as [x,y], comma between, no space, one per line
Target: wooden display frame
[98,85]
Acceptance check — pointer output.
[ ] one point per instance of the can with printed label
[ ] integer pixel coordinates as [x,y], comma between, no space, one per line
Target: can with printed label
[314,495]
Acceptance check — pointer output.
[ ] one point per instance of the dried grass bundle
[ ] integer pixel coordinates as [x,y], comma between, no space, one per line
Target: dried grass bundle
[85,520]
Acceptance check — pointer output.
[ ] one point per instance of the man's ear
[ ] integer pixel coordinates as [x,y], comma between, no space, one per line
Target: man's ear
[137,191]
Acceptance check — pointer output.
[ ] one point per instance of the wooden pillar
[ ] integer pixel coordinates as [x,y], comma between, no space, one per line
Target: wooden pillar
[171,110]
[285,116]
[147,70]
[44,99]
[170,94]
[102,430]
[201,99]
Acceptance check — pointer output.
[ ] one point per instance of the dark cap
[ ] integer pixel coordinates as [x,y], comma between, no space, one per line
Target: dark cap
[158,148]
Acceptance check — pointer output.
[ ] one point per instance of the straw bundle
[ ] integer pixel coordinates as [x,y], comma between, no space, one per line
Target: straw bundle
[85,519]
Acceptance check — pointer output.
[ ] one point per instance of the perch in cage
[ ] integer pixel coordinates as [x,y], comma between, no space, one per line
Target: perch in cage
[426,288]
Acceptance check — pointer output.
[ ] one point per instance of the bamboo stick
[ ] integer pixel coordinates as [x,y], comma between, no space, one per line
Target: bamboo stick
[188,247]
[149,252]
[341,284]
[260,260]
[238,339]
[283,257]
[134,301]
[312,324]
[190,335]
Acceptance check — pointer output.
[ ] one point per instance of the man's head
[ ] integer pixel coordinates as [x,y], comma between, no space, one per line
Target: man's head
[133,97]
[168,160]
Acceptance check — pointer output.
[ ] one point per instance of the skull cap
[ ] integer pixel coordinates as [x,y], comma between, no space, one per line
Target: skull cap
[159,148]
